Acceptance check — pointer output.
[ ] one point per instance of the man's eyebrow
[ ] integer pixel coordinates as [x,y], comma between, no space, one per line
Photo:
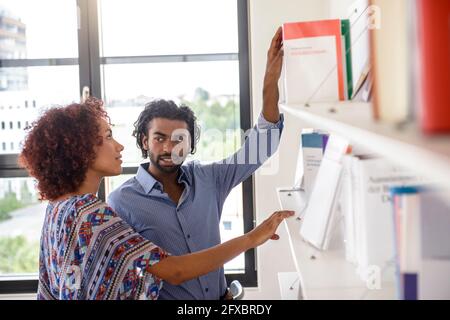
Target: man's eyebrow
[159,134]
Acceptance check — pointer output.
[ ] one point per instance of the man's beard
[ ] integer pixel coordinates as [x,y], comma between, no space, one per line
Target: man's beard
[155,162]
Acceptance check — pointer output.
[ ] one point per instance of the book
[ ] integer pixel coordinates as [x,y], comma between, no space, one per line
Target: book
[372,178]
[346,203]
[314,62]
[350,194]
[422,243]
[348,74]
[318,221]
[313,147]
[407,240]
[390,62]
[361,81]
[434,67]
[359,43]
[435,245]
[364,92]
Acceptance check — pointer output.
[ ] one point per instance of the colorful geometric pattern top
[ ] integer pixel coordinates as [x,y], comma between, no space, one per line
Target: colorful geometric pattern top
[88,252]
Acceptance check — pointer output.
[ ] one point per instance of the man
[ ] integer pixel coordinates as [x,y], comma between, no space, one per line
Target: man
[179,206]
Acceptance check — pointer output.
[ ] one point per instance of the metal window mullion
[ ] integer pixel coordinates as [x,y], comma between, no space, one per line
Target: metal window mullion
[104,190]
[250,277]
[83,44]
[46,62]
[89,47]
[94,49]
[229,56]
[84,60]
[13,173]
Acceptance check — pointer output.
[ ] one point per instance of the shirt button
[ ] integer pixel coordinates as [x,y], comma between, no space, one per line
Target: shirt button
[207,289]
[188,236]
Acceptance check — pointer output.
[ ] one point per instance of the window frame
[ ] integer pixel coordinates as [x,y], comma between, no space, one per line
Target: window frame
[89,62]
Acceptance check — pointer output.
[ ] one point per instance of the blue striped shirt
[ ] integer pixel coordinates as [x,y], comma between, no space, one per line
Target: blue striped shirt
[193,223]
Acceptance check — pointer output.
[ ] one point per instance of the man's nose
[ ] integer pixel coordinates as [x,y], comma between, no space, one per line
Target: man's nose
[168,146]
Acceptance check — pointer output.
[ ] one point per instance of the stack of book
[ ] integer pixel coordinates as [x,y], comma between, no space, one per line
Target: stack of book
[422,243]
[392,229]
[366,208]
[411,61]
[327,60]
[397,51]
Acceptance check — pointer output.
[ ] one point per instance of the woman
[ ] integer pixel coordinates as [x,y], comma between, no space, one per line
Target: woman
[87,251]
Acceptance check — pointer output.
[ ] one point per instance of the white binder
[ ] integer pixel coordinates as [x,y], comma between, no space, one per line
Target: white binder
[319,216]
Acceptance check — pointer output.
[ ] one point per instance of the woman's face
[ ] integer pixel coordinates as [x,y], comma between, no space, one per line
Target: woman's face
[109,160]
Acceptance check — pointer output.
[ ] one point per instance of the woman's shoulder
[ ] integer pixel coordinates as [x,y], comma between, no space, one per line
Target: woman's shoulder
[90,203]
[90,208]
[82,207]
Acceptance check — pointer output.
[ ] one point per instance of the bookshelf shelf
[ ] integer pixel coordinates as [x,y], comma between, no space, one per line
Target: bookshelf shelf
[405,145]
[324,274]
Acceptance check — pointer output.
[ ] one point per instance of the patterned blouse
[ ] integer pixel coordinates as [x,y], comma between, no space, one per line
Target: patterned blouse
[88,252]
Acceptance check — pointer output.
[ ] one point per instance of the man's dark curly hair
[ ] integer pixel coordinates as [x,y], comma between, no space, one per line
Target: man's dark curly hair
[166,109]
[60,147]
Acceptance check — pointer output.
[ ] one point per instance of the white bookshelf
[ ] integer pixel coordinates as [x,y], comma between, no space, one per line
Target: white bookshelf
[329,275]
[325,275]
[405,145]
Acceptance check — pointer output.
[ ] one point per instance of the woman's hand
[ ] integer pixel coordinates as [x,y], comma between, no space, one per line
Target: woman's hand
[178,269]
[267,229]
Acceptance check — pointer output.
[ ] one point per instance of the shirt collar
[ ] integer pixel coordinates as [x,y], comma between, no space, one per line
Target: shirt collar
[148,182]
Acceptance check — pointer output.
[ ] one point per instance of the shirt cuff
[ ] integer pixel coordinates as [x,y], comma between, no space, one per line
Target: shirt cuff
[266,125]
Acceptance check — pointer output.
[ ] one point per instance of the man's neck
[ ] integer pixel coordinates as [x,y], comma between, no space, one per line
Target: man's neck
[169,182]
[164,177]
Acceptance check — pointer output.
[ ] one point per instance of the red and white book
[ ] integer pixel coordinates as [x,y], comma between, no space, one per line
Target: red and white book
[314,57]
[433,20]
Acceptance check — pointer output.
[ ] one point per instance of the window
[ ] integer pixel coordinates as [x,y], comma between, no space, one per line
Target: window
[21,218]
[227,225]
[39,67]
[178,64]
[127,64]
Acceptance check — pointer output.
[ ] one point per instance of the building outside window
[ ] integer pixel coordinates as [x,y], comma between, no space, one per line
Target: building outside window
[46,58]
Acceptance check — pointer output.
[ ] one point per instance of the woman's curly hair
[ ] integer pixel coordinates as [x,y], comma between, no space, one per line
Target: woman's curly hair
[60,147]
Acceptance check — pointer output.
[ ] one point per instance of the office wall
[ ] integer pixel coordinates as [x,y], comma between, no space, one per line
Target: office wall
[264,18]
[339,8]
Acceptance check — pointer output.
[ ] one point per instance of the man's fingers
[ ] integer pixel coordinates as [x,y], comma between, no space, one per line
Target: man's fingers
[280,54]
[275,237]
[277,37]
[275,44]
[278,58]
